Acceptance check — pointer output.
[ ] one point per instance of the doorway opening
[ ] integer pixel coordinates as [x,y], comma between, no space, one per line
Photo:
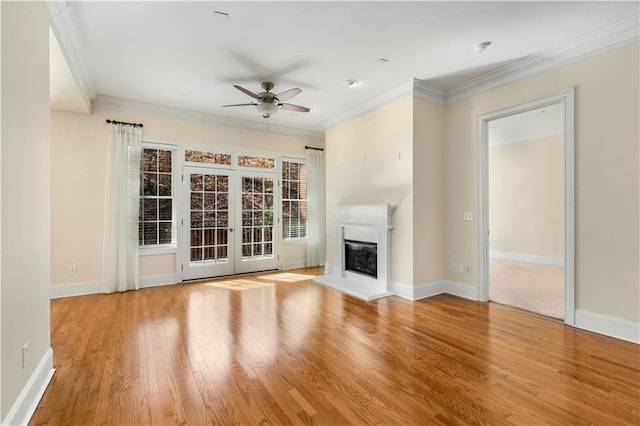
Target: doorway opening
[526,206]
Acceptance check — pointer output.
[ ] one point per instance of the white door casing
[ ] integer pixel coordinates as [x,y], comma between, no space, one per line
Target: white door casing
[566,97]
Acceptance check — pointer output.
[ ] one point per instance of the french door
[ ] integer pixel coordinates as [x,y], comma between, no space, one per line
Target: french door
[256,248]
[229,222]
[207,223]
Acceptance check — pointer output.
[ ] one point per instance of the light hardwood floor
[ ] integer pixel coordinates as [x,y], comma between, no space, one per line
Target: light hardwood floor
[277,348]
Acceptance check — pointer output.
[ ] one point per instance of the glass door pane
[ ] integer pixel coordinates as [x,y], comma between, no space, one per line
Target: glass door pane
[256,248]
[208,222]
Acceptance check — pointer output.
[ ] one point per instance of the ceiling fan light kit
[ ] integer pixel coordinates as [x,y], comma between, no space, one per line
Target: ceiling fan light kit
[268,103]
[267,110]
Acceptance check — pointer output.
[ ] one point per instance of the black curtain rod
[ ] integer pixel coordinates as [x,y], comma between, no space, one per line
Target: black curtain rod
[312,147]
[125,123]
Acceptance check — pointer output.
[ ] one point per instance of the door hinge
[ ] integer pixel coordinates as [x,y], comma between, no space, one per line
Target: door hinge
[182,222]
[182,178]
[182,267]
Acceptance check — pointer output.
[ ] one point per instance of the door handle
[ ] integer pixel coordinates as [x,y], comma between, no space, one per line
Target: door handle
[230,229]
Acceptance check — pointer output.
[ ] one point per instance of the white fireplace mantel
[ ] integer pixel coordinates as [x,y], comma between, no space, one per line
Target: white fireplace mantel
[367,223]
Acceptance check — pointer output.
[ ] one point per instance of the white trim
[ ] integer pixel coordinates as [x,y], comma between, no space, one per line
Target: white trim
[75,289]
[375,104]
[418,88]
[132,107]
[364,290]
[63,25]
[157,250]
[527,258]
[610,37]
[158,280]
[566,97]
[426,290]
[609,326]
[467,291]
[402,290]
[93,287]
[27,402]
[423,90]
[293,264]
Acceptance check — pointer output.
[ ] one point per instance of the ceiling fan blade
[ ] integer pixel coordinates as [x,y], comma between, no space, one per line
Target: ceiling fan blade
[248,92]
[239,105]
[292,107]
[288,94]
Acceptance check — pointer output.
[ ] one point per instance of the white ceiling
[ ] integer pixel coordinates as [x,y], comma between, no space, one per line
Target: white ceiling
[180,55]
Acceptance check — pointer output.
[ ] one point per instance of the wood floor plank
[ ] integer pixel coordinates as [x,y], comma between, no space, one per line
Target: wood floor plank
[276,348]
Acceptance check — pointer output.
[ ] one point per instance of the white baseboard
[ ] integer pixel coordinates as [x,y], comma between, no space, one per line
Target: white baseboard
[422,291]
[94,287]
[293,264]
[27,402]
[467,291]
[402,290]
[75,289]
[609,326]
[157,280]
[528,258]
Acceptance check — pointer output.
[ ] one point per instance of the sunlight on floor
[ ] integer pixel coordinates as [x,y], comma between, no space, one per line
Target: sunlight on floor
[288,277]
[239,284]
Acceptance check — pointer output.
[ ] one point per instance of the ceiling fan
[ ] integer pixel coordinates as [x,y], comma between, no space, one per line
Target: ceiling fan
[268,103]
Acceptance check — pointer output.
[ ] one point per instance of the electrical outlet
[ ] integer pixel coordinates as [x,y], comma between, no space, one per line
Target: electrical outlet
[73,269]
[461,268]
[467,269]
[468,215]
[25,353]
[454,267]
[552,247]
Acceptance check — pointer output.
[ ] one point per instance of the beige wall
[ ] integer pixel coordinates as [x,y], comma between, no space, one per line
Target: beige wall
[606,176]
[24,174]
[369,161]
[78,156]
[428,191]
[526,197]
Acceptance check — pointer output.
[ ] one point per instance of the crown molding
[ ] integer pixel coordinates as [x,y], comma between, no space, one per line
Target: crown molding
[109,103]
[388,98]
[415,88]
[422,90]
[63,25]
[610,37]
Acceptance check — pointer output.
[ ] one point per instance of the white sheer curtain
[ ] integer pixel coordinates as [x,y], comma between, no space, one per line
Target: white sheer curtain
[122,189]
[316,251]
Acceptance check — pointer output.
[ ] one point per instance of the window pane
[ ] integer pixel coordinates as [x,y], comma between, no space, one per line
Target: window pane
[197,182]
[164,185]
[164,232]
[164,161]
[294,200]
[207,157]
[150,233]
[150,184]
[150,160]
[222,183]
[150,209]
[156,204]
[165,209]
[261,162]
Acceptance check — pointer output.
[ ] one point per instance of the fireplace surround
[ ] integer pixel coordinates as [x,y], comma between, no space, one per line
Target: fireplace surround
[361,227]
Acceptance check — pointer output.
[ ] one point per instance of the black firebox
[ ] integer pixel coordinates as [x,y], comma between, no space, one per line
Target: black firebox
[361,257]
